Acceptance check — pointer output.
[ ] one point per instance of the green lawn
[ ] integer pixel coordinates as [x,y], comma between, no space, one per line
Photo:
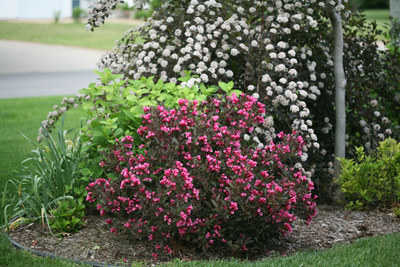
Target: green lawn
[72,34]
[381,15]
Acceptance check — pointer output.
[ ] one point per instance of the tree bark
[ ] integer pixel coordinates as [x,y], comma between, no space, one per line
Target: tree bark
[340,100]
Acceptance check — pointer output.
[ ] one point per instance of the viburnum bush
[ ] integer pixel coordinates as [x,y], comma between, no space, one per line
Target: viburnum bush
[372,97]
[199,182]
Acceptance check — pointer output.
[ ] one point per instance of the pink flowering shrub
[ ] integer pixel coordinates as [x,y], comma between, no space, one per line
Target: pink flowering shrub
[198,180]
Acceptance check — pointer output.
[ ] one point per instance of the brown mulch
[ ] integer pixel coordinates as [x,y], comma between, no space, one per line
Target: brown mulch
[332,225]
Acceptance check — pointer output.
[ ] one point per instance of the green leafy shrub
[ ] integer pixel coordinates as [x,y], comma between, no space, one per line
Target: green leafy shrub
[142,14]
[397,211]
[78,13]
[67,216]
[114,109]
[56,15]
[372,180]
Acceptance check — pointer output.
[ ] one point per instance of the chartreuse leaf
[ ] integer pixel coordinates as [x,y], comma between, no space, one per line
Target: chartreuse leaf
[87,105]
[237,92]
[84,91]
[224,87]
[100,73]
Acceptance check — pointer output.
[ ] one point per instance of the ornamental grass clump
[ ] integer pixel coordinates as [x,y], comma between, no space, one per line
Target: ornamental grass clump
[198,183]
[52,176]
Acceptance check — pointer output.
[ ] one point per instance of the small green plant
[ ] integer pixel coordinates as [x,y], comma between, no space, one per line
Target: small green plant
[78,13]
[56,15]
[67,216]
[397,211]
[372,180]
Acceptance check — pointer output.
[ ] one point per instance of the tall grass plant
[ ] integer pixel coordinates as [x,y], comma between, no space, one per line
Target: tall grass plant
[51,177]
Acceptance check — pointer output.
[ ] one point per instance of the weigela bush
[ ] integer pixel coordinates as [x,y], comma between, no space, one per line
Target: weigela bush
[199,181]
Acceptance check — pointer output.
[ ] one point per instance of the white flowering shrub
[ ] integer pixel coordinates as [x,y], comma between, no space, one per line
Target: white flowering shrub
[281,52]
[372,79]
[252,43]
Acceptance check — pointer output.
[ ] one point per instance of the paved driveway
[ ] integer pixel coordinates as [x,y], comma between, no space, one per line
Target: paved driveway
[32,69]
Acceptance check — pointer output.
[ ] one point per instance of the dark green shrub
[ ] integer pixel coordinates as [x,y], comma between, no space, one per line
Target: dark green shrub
[370,4]
[142,14]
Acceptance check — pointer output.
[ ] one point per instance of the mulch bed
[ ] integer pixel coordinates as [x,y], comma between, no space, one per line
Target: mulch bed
[95,243]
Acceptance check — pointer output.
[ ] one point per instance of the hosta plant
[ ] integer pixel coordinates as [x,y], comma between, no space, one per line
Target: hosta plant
[198,180]
[67,216]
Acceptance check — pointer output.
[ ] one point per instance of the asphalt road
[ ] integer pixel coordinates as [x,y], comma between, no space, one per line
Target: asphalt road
[32,69]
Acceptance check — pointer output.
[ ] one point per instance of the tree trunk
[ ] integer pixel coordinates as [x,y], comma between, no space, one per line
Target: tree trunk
[340,100]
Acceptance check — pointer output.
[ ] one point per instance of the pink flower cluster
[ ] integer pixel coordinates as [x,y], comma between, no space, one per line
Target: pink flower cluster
[198,179]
